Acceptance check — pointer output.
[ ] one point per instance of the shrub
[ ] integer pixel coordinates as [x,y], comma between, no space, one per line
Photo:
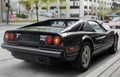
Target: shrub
[21,16]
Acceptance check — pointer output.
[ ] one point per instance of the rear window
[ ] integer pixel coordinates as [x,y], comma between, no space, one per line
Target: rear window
[44,29]
[51,25]
[63,23]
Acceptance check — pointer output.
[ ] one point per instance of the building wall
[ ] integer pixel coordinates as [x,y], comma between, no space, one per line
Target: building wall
[87,7]
[0,12]
[79,8]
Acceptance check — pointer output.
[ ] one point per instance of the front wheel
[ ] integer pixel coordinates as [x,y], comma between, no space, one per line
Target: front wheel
[83,61]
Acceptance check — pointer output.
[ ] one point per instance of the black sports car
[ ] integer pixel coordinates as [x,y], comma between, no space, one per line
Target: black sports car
[56,40]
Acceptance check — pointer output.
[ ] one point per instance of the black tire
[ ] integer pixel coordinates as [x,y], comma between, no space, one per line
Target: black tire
[78,64]
[113,48]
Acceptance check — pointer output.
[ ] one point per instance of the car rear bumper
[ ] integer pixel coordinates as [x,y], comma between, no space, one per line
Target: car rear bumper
[37,51]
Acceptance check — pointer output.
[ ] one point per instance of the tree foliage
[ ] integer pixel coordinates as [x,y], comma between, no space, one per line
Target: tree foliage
[116,8]
[28,3]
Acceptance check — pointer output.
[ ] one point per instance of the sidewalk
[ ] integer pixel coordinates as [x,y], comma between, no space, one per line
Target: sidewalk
[109,69]
[4,26]
[16,24]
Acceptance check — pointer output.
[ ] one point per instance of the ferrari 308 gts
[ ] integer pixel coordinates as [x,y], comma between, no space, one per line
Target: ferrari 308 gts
[56,40]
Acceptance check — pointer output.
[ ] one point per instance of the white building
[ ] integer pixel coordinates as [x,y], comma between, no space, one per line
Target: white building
[17,6]
[74,8]
[79,8]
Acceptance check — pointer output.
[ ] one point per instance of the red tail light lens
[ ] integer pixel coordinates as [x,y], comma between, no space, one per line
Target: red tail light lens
[57,40]
[49,40]
[7,36]
[10,36]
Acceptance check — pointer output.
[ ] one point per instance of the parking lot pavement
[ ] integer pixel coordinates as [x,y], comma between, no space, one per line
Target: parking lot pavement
[109,69]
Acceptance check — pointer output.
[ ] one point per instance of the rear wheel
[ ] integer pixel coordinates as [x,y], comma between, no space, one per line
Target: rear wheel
[83,61]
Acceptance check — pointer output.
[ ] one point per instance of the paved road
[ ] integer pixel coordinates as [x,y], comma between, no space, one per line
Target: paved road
[11,67]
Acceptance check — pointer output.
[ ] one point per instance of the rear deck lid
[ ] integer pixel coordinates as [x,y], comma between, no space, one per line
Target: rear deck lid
[44,29]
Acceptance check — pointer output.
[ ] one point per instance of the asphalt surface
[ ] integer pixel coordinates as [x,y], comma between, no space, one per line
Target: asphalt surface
[11,67]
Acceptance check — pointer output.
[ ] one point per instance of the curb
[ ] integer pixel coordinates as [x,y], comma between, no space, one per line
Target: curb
[99,71]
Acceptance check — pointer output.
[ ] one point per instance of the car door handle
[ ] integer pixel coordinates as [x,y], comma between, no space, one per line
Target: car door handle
[102,37]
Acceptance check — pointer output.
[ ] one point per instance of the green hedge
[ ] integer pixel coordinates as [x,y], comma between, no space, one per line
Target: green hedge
[21,16]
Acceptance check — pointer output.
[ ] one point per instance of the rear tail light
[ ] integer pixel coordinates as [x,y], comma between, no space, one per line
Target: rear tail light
[49,40]
[9,36]
[57,40]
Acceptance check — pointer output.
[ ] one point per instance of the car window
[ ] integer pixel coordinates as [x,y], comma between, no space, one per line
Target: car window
[58,23]
[96,27]
[69,23]
[77,27]
[63,23]
[87,28]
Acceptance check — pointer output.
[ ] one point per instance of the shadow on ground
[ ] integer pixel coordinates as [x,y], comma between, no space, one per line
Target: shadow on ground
[64,70]
[25,69]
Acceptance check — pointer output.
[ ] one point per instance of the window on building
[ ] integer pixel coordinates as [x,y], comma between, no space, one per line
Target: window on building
[85,7]
[90,7]
[74,15]
[74,7]
[98,1]
[90,0]
[85,13]
[104,8]
[94,0]
[105,3]
[98,8]
[95,8]
[101,2]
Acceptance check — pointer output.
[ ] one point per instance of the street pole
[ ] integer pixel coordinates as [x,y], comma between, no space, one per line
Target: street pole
[19,8]
[88,7]
[1,12]
[37,11]
[58,8]
[8,6]
[79,9]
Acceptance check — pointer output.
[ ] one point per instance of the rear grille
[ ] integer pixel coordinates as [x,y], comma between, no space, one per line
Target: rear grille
[29,38]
